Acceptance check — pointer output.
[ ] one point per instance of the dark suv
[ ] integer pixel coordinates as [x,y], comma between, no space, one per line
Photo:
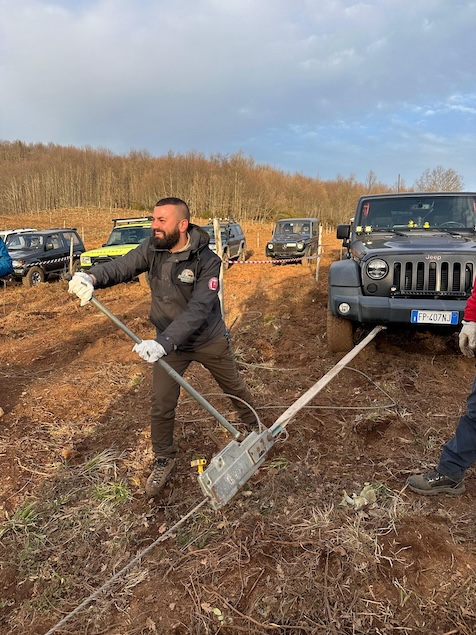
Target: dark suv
[39,254]
[233,240]
[294,238]
[410,260]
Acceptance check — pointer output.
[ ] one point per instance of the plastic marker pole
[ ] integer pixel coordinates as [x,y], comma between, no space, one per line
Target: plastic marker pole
[178,378]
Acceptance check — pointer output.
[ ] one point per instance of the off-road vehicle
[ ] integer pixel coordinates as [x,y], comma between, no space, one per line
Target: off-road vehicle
[126,234]
[293,239]
[410,260]
[233,239]
[36,255]
[6,234]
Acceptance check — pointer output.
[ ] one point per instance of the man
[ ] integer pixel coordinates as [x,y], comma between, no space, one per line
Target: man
[459,453]
[185,309]
[5,260]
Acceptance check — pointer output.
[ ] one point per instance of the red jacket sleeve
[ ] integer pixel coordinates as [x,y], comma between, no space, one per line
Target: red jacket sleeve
[470,309]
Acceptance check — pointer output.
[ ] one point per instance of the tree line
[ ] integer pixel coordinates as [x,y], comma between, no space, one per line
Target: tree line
[35,177]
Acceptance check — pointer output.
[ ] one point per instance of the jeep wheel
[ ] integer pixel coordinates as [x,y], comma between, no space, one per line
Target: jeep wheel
[340,334]
[35,276]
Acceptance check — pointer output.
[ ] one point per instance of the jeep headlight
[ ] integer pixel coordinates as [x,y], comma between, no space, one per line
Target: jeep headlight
[300,246]
[85,260]
[270,246]
[17,263]
[377,269]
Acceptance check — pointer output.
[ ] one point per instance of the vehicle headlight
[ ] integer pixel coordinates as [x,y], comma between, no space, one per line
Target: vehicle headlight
[270,246]
[85,260]
[300,246]
[18,263]
[377,269]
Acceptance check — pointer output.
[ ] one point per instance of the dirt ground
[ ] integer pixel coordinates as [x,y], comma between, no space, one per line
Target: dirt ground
[287,555]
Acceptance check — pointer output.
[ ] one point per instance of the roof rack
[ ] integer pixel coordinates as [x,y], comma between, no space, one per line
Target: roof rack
[129,221]
[222,220]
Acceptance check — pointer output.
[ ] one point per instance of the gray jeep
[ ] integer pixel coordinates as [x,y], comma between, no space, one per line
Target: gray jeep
[410,260]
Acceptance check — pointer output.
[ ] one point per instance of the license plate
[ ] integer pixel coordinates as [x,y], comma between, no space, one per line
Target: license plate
[435,317]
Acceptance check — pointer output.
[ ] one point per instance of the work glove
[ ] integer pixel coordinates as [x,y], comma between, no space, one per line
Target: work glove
[81,284]
[467,339]
[149,350]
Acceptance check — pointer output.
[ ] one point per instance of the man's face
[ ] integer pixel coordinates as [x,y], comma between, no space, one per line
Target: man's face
[167,226]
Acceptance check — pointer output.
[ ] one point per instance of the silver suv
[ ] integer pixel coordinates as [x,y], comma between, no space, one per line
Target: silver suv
[233,240]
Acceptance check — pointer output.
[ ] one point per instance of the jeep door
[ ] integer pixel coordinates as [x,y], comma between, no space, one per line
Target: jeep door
[55,253]
[233,240]
[314,243]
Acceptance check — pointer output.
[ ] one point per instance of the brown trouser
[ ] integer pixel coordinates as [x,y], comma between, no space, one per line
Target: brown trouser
[219,360]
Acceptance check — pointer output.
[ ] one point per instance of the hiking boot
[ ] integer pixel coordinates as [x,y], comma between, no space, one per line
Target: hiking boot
[159,475]
[435,483]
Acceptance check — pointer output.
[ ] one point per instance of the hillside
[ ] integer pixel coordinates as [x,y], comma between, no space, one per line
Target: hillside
[285,556]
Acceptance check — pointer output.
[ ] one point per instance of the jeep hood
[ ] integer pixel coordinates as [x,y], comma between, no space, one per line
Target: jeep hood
[414,243]
[113,250]
[286,238]
[24,254]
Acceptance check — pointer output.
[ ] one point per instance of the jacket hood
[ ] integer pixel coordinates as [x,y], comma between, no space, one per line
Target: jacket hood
[199,238]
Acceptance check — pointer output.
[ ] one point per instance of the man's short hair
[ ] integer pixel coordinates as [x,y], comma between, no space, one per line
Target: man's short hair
[173,200]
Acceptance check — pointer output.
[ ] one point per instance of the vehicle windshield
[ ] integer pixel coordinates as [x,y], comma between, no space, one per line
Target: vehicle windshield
[211,232]
[28,242]
[416,212]
[128,235]
[293,227]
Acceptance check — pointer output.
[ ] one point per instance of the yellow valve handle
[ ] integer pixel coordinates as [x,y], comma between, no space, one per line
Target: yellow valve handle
[199,464]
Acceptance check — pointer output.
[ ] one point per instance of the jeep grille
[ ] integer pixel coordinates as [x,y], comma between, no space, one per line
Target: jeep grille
[433,278]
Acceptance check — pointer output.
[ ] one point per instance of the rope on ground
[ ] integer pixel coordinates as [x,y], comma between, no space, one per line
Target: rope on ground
[120,573]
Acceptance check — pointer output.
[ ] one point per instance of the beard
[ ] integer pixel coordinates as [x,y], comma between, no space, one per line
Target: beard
[167,241]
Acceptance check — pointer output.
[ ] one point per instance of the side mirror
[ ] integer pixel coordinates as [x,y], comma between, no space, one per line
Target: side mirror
[343,232]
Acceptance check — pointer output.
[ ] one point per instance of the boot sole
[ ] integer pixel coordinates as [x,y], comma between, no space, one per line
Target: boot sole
[451,491]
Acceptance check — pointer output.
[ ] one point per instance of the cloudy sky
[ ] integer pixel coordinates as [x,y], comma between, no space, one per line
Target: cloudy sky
[320,87]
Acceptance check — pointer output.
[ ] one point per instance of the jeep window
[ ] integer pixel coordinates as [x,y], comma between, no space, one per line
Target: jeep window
[293,228]
[53,241]
[72,235]
[128,236]
[28,242]
[419,212]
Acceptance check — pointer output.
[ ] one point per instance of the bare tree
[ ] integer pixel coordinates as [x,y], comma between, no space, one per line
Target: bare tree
[439,180]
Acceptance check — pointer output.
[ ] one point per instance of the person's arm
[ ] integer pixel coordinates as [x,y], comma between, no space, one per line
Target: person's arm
[467,336]
[121,269]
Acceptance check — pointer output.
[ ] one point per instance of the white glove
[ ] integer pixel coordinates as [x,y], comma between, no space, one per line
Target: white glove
[467,339]
[81,284]
[149,350]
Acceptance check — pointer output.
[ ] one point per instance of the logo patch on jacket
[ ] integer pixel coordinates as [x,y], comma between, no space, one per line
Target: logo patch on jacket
[213,284]
[187,276]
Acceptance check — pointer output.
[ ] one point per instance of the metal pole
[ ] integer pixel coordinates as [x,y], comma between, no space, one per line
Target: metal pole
[282,421]
[178,378]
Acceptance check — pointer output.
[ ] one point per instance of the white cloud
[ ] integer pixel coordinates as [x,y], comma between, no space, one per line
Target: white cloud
[243,75]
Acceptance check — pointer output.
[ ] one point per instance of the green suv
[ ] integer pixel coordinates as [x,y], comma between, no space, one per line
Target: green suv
[127,233]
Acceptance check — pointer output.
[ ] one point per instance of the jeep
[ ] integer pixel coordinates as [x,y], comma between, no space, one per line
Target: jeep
[36,255]
[126,234]
[233,240]
[409,260]
[293,239]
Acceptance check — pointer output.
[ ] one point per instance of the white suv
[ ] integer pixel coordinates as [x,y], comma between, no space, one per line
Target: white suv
[6,233]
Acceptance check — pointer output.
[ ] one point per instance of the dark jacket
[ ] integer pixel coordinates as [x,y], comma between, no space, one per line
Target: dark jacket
[5,260]
[185,308]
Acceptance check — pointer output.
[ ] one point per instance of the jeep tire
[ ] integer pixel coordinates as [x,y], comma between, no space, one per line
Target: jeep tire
[340,334]
[34,276]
